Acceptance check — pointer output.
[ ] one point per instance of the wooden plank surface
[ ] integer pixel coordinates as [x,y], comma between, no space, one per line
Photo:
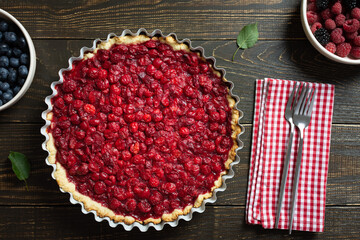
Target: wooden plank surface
[208,19]
[215,223]
[277,59]
[61,28]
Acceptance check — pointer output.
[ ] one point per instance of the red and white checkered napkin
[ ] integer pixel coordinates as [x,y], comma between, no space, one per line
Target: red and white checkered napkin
[269,142]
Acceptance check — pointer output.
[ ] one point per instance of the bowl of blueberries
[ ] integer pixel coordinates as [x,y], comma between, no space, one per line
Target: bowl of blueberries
[17,60]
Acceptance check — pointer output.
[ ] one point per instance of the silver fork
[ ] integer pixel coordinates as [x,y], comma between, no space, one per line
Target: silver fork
[289,111]
[301,118]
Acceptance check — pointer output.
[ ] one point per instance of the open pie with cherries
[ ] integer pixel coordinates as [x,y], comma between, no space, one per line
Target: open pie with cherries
[142,129]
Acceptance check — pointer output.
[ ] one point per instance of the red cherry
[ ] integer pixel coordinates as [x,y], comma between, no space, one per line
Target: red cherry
[184,131]
[125,79]
[89,109]
[100,187]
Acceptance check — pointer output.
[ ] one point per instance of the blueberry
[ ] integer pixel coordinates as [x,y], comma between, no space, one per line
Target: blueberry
[16,52]
[4,48]
[24,59]
[23,71]
[4,61]
[21,81]
[10,37]
[4,26]
[9,53]
[3,73]
[1,93]
[16,89]
[7,96]
[1,103]
[21,42]
[5,86]
[12,75]
[14,62]
[1,36]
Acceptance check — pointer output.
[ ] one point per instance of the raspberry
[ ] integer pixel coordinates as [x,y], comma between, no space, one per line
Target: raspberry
[100,187]
[351,36]
[125,79]
[357,41]
[351,25]
[314,27]
[93,73]
[131,204]
[326,14]
[184,131]
[59,103]
[150,69]
[154,182]
[157,62]
[102,84]
[340,20]
[330,24]
[336,36]
[355,13]
[142,191]
[134,127]
[312,17]
[156,198]
[144,206]
[336,8]
[355,52]
[322,4]
[170,187]
[89,108]
[311,7]
[343,49]
[331,47]
[322,35]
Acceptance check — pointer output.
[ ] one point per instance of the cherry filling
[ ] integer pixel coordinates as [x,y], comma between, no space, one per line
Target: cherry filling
[142,129]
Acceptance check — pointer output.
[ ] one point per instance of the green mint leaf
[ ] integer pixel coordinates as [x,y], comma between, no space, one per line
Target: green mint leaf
[247,37]
[20,166]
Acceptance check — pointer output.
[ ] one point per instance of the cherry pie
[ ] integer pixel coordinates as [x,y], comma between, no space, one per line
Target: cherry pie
[142,129]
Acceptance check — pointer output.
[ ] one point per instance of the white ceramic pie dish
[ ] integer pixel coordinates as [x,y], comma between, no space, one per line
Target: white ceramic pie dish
[141,227]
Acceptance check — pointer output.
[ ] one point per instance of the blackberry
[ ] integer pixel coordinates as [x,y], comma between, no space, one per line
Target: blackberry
[322,4]
[349,4]
[322,36]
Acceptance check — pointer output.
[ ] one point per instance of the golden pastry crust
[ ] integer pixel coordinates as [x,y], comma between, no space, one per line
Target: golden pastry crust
[89,204]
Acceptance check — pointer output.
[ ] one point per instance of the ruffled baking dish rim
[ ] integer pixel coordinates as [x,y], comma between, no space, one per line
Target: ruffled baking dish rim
[230,172]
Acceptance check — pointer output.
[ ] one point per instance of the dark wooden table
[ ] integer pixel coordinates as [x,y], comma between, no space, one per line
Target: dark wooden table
[60,28]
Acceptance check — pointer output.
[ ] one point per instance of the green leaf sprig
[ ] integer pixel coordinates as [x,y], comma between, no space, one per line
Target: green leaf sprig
[247,37]
[20,166]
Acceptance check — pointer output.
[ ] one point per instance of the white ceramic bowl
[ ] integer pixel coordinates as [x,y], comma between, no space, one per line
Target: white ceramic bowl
[7,16]
[317,45]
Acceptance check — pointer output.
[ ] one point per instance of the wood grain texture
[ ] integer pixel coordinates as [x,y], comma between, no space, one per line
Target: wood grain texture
[215,223]
[61,28]
[294,60]
[343,179]
[194,19]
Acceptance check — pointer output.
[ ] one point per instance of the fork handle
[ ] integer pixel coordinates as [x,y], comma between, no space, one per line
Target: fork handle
[284,175]
[296,179]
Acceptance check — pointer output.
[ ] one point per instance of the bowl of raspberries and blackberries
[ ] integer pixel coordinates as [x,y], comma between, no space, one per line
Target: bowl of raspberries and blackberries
[17,60]
[333,28]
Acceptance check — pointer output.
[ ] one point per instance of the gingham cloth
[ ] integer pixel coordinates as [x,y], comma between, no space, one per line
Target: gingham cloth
[269,142]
